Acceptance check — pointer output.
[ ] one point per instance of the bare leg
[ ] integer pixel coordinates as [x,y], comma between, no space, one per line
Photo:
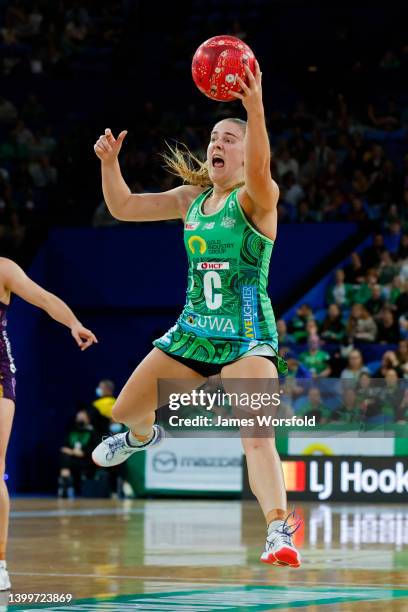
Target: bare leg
[6,421]
[138,400]
[264,466]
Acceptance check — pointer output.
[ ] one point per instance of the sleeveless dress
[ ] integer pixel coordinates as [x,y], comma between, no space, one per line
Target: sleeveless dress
[7,367]
[228,313]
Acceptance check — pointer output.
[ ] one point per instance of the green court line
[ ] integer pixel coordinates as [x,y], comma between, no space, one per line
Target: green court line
[201,600]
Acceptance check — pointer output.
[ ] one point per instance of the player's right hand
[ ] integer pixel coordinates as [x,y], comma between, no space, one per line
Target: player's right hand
[107,147]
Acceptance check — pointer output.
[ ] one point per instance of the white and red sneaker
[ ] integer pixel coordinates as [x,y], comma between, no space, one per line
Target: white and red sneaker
[279,548]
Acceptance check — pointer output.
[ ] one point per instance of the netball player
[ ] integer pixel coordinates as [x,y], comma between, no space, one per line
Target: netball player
[14,280]
[229,208]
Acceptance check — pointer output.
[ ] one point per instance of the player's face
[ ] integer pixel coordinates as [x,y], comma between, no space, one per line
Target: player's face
[225,153]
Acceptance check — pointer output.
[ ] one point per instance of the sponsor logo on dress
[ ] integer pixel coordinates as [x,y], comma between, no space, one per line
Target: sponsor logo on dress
[197,243]
[228,222]
[249,310]
[218,247]
[13,368]
[208,225]
[192,225]
[221,324]
[213,265]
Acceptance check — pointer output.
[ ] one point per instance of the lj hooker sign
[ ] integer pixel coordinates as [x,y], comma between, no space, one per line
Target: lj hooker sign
[347,478]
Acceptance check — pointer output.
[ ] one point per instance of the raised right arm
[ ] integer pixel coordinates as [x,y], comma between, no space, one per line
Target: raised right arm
[127,206]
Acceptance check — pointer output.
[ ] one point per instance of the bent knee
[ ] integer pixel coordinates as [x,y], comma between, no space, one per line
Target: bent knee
[2,467]
[122,413]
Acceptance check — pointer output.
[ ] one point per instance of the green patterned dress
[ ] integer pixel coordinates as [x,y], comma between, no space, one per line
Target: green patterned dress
[228,314]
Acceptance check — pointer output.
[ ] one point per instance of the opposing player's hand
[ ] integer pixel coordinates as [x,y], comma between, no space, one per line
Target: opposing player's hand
[107,147]
[251,93]
[83,337]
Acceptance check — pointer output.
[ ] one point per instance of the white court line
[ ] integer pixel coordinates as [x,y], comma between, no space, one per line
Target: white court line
[204,581]
[67,512]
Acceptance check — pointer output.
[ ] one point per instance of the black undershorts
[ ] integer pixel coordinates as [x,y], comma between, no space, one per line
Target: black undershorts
[212,369]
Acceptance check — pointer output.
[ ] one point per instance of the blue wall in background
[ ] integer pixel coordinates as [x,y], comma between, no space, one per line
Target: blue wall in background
[127,284]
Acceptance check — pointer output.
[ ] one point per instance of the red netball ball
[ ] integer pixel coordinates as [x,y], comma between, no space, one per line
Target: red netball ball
[216,64]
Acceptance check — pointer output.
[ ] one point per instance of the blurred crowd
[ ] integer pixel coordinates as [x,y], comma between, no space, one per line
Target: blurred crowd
[338,156]
[362,331]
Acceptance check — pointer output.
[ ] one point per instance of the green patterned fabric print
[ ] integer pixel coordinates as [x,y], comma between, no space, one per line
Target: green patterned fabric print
[228,312]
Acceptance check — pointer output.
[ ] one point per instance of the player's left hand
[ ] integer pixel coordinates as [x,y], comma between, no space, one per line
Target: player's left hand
[251,93]
[83,337]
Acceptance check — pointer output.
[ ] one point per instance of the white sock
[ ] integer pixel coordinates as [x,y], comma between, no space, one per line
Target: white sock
[133,441]
[3,564]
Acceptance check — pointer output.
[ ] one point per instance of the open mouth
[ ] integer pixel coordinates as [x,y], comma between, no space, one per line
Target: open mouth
[217,162]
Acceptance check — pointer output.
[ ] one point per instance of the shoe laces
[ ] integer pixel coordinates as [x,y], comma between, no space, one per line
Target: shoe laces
[284,533]
[116,442]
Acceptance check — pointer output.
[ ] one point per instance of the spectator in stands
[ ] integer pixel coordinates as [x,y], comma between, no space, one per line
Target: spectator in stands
[376,302]
[362,292]
[367,395]
[372,254]
[332,329]
[355,366]
[340,293]
[75,457]
[304,214]
[387,268]
[391,395]
[393,291]
[292,191]
[357,214]
[295,368]
[354,271]
[312,328]
[394,233]
[388,361]
[314,406]
[388,328]
[402,356]
[284,338]
[401,303]
[297,326]
[361,326]
[351,410]
[286,163]
[101,410]
[315,360]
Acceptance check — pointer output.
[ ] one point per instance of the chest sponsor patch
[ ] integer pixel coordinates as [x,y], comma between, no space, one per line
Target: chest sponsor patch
[213,265]
[192,225]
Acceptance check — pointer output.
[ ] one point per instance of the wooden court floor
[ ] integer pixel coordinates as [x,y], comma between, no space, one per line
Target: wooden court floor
[203,556]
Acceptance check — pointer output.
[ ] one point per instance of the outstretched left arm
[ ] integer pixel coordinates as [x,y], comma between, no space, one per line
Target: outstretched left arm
[16,281]
[260,189]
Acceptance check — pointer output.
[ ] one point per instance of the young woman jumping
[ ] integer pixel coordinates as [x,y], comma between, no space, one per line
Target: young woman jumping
[229,207]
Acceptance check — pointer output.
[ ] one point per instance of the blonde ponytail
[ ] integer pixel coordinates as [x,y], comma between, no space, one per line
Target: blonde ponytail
[186,165]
